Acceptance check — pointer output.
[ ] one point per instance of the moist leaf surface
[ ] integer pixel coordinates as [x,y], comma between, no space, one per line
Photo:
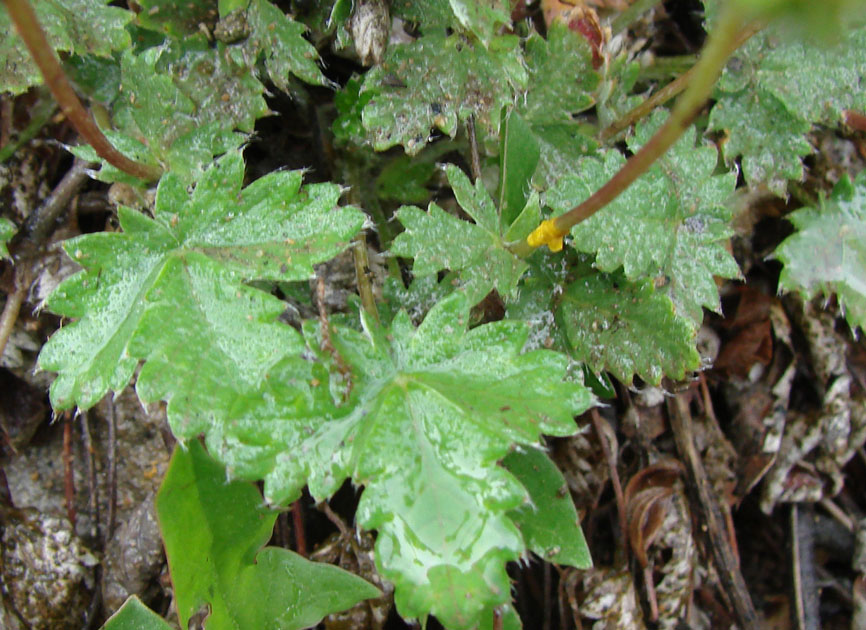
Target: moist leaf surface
[438,240]
[85,27]
[214,533]
[827,253]
[171,291]
[671,223]
[430,413]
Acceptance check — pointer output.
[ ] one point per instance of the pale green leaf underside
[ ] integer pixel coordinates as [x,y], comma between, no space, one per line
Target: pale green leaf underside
[431,411]
[170,290]
[80,26]
[827,253]
[438,240]
[436,82]
[671,222]
[214,532]
[626,328]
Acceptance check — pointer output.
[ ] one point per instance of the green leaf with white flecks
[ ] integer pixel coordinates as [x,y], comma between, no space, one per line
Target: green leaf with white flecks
[437,82]
[430,412]
[556,96]
[672,222]
[280,41]
[134,615]
[84,27]
[827,253]
[183,103]
[548,522]
[626,328]
[438,240]
[428,16]
[7,231]
[170,290]
[774,89]
[214,534]
[483,18]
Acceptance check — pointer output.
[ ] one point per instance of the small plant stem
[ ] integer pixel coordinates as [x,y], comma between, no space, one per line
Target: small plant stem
[11,310]
[298,528]
[68,473]
[92,487]
[31,32]
[474,158]
[630,15]
[729,33]
[111,418]
[362,274]
[602,431]
[658,98]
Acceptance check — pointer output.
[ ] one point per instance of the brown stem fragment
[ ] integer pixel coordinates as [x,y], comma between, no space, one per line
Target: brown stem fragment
[43,55]
[704,500]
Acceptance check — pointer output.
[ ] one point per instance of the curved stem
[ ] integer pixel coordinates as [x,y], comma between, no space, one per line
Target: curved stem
[724,40]
[31,32]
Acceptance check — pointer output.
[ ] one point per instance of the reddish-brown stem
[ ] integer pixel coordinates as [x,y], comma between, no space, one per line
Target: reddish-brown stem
[597,423]
[31,32]
[298,526]
[68,473]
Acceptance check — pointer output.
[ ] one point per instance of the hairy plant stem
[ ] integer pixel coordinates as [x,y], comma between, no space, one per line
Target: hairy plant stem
[31,32]
[724,40]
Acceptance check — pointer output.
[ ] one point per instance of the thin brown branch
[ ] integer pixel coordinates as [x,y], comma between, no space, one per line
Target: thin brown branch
[11,310]
[68,472]
[602,431]
[707,505]
[363,275]
[112,466]
[43,55]
[298,527]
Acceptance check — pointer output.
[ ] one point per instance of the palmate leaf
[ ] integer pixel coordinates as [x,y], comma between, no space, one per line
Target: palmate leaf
[214,534]
[626,328]
[562,84]
[170,290]
[438,240]
[827,253]
[431,411]
[181,104]
[775,89]
[670,223]
[85,27]
[437,82]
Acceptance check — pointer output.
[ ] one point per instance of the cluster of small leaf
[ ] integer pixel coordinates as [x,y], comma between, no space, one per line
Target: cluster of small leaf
[437,415]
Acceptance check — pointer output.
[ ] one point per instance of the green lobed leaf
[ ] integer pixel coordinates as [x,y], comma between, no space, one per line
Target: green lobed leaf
[181,104]
[214,532]
[170,290]
[431,411]
[429,15]
[483,18]
[134,615]
[549,522]
[438,240]
[437,82]
[774,89]
[7,230]
[85,27]
[671,222]
[280,41]
[562,84]
[827,253]
[626,328]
